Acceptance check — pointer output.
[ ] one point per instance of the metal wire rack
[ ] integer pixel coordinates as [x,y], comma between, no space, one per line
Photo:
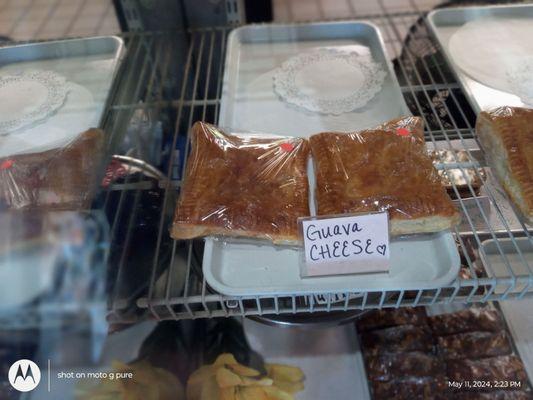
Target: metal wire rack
[175,79]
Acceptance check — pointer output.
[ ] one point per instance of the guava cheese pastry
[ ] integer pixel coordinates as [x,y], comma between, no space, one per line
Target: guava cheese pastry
[382,169]
[506,135]
[243,185]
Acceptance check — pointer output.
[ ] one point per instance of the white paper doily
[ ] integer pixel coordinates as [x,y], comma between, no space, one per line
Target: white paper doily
[520,78]
[29,98]
[329,81]
[497,52]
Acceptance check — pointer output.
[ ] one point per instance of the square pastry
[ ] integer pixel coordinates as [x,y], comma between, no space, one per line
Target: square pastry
[243,185]
[382,169]
[506,135]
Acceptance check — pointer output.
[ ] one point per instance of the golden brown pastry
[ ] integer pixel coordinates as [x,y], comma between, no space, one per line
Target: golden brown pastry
[226,379]
[58,179]
[242,186]
[506,135]
[386,168]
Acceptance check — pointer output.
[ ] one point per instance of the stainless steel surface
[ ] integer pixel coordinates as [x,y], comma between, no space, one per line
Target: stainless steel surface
[444,23]
[318,320]
[330,357]
[107,50]
[180,97]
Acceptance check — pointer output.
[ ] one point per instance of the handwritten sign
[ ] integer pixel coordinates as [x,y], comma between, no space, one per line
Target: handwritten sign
[346,245]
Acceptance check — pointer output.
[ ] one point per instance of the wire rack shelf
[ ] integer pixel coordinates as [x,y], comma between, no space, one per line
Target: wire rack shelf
[175,79]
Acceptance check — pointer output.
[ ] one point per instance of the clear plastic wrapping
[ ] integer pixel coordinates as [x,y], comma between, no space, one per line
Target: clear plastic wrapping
[386,318]
[494,395]
[410,388]
[64,178]
[508,368]
[472,319]
[474,345]
[382,169]
[506,135]
[397,339]
[243,185]
[385,367]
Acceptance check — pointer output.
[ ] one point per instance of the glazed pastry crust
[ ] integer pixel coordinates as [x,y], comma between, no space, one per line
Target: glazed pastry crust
[386,168]
[243,186]
[506,135]
[58,179]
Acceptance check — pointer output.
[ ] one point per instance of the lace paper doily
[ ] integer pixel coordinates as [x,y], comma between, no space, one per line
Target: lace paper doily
[520,80]
[29,98]
[496,52]
[329,81]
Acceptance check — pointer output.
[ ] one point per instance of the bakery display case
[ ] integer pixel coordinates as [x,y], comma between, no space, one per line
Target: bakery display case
[152,194]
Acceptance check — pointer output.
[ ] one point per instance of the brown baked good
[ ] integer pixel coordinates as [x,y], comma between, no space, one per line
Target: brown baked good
[474,345]
[411,389]
[508,368]
[494,394]
[385,367]
[397,339]
[506,135]
[471,319]
[243,186]
[460,179]
[58,179]
[378,319]
[386,168]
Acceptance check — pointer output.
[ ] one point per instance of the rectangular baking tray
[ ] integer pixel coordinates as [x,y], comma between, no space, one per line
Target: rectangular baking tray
[507,258]
[89,62]
[445,22]
[329,357]
[239,268]
[255,51]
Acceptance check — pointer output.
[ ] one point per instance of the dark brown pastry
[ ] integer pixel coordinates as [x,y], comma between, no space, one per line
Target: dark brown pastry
[242,186]
[474,345]
[392,317]
[402,338]
[410,389]
[494,395]
[385,367]
[508,368]
[59,179]
[382,169]
[472,319]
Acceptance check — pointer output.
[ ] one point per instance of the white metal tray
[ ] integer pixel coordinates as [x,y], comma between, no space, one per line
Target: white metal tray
[445,22]
[239,268]
[243,269]
[255,51]
[510,258]
[88,65]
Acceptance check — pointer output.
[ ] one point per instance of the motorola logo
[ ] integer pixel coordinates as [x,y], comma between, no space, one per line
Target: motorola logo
[24,375]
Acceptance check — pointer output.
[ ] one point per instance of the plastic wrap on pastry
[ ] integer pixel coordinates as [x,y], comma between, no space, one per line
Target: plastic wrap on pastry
[382,169]
[508,368]
[243,185]
[506,135]
[60,179]
[392,317]
[469,320]
[384,367]
[410,389]
[494,395]
[474,345]
[462,178]
[401,338]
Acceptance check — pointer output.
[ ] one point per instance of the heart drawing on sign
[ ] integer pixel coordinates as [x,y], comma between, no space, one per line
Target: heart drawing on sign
[381,249]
